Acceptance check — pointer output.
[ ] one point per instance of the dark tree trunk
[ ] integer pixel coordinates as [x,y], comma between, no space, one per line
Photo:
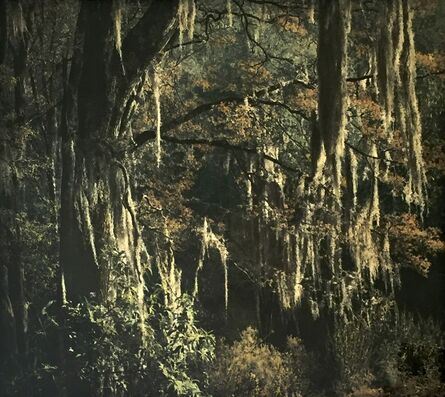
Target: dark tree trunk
[13,307]
[333,24]
[96,214]
[3,31]
[96,209]
[331,63]
[329,135]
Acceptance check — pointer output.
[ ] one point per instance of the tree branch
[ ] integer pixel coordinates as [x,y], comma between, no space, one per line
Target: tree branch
[148,37]
[221,143]
[255,96]
[435,73]
[370,76]
[367,155]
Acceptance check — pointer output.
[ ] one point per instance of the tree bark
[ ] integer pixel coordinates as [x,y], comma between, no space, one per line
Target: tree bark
[13,307]
[97,216]
[96,207]
[334,19]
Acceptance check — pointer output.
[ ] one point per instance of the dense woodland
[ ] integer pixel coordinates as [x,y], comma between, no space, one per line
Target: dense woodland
[222,198]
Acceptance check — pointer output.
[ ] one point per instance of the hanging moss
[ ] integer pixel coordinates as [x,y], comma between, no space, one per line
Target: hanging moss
[318,153]
[192,18]
[398,38]
[157,98]
[385,63]
[210,240]
[18,22]
[396,67]
[169,273]
[229,12]
[289,287]
[182,19]
[354,178]
[374,211]
[117,25]
[311,11]
[415,190]
[186,19]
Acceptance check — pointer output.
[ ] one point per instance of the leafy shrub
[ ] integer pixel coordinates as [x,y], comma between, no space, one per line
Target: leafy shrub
[181,348]
[250,367]
[107,349]
[391,350]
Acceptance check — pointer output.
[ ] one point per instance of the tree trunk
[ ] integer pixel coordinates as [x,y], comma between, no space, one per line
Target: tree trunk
[13,308]
[97,215]
[334,19]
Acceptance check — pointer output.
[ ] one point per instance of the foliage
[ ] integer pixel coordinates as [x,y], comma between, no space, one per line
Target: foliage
[230,115]
[390,350]
[169,360]
[107,348]
[183,347]
[250,367]
[413,245]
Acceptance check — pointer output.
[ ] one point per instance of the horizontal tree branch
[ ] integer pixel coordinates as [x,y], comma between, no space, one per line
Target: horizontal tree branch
[359,78]
[435,73]
[364,154]
[221,143]
[254,97]
[148,37]
[370,76]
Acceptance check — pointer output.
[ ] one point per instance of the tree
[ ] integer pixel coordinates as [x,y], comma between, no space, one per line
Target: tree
[97,208]
[13,318]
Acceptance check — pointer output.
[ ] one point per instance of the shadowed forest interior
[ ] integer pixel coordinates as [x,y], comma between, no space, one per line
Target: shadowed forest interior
[222,198]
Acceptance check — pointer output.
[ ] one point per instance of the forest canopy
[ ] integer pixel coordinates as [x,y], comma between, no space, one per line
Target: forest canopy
[222,197]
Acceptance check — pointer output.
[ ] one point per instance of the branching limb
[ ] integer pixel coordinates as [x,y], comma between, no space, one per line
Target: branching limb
[256,96]
[221,143]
